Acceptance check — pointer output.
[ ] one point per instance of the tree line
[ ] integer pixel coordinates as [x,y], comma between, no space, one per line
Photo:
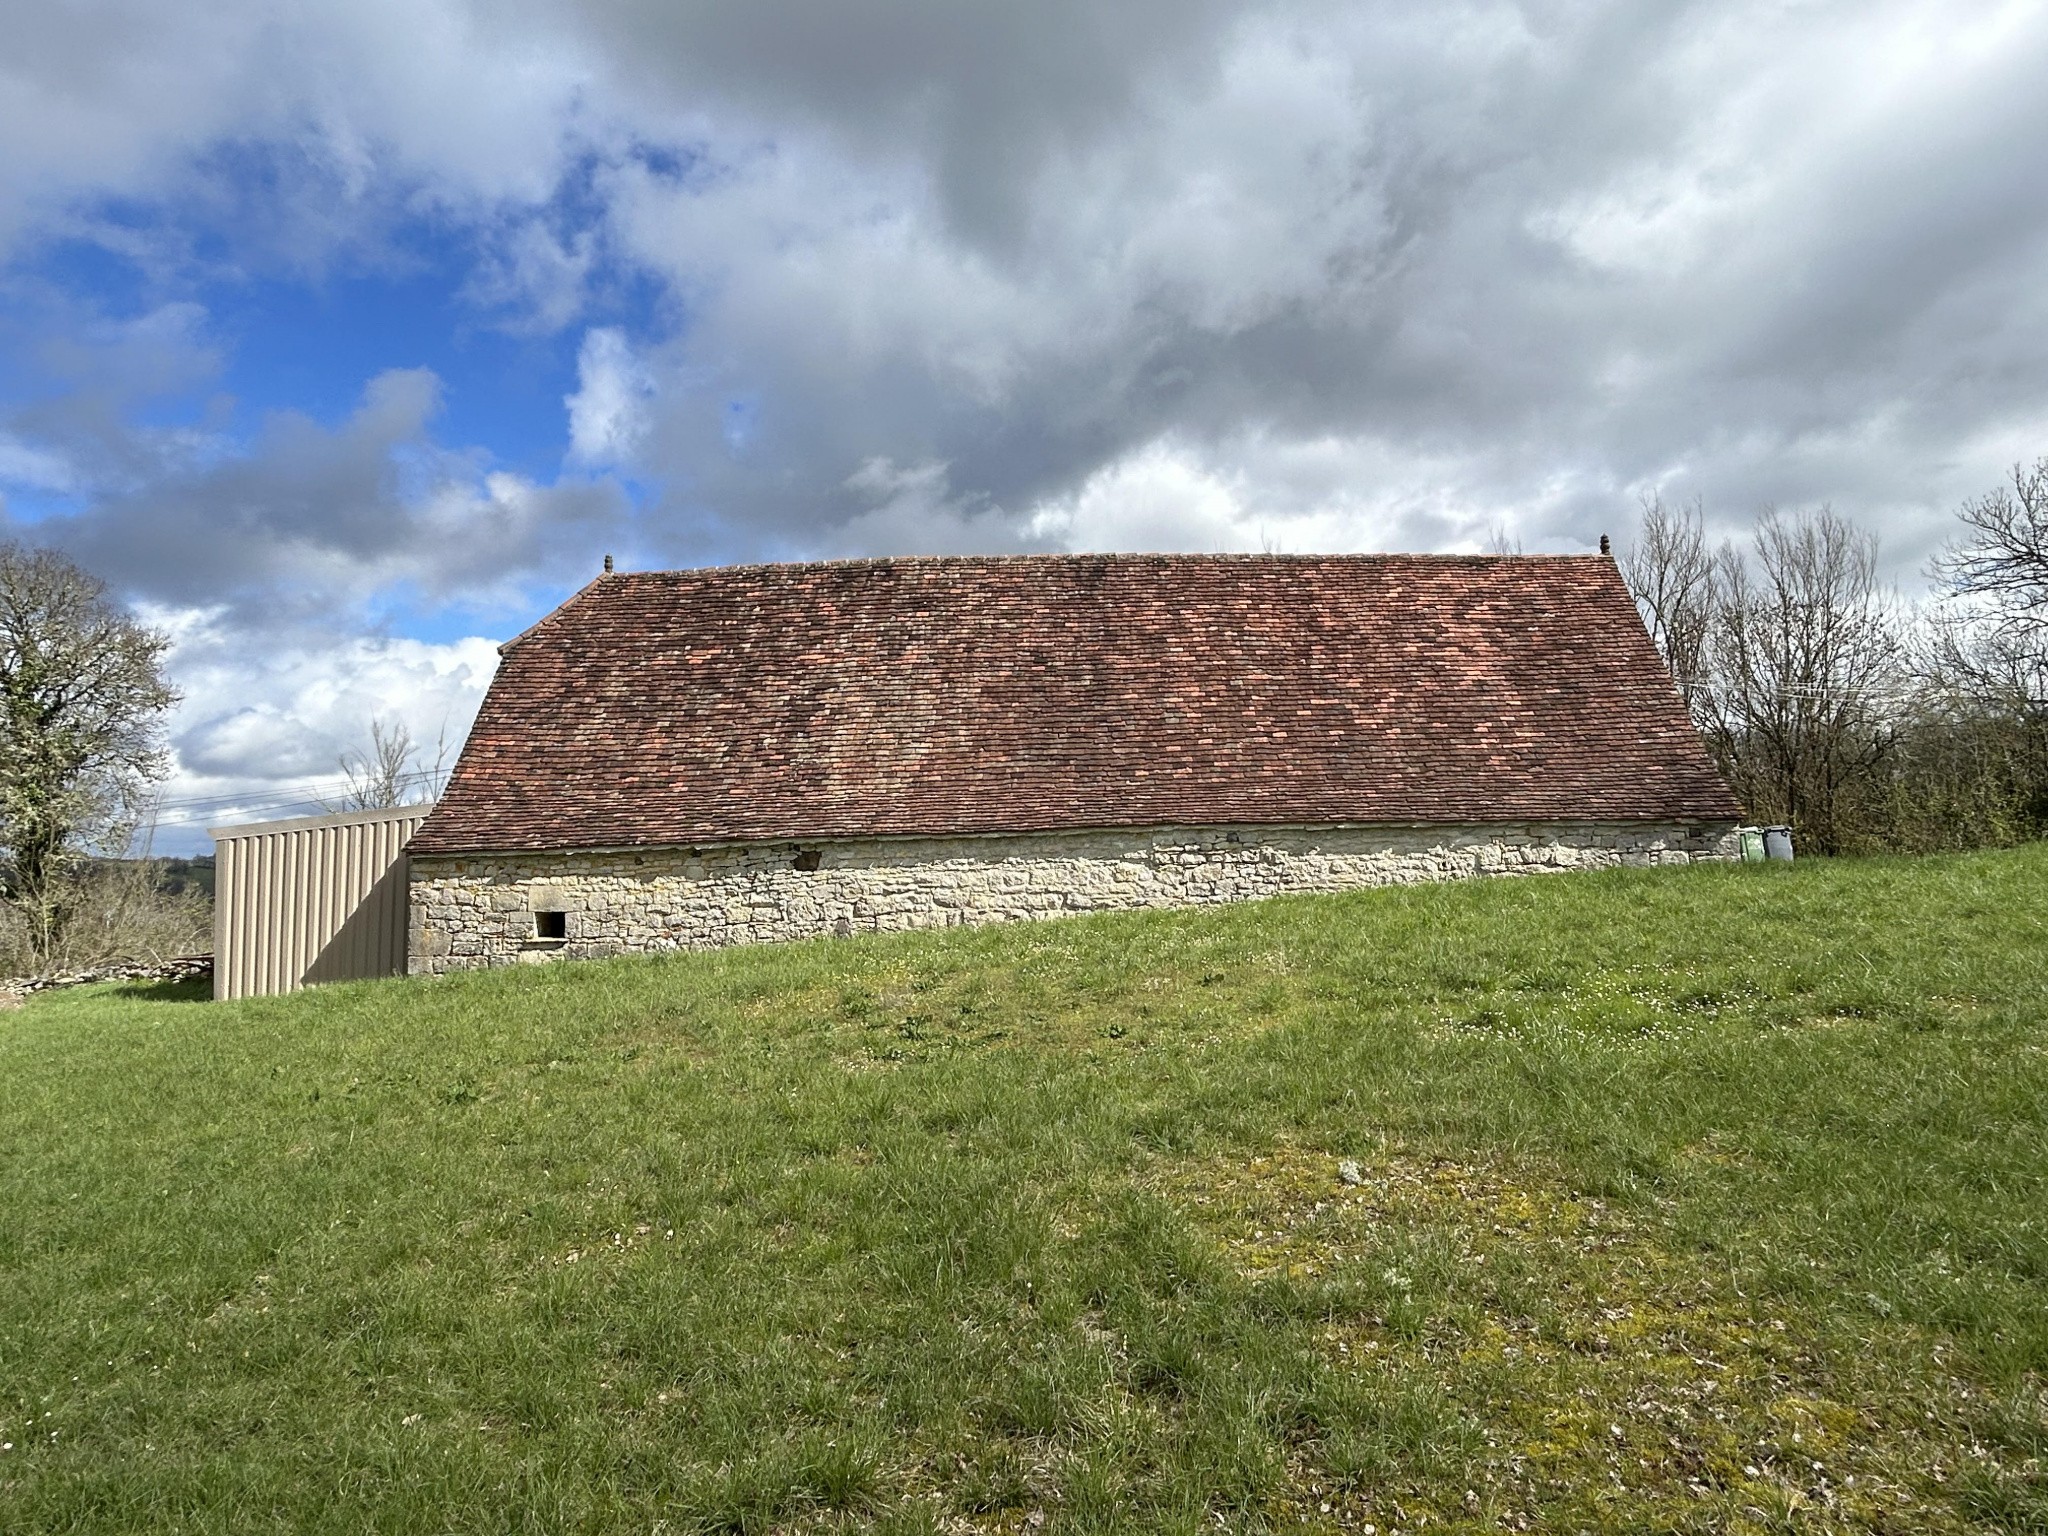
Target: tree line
[1833,705]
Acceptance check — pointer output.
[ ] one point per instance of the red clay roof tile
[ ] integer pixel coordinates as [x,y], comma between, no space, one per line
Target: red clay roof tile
[937,696]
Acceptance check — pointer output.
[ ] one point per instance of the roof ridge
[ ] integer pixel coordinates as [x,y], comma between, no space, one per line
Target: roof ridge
[850,562]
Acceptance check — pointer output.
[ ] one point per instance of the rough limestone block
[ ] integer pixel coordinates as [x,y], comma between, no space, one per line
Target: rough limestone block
[475,912]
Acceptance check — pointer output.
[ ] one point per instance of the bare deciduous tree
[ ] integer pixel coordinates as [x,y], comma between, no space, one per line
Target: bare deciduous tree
[82,693]
[1807,661]
[1670,572]
[392,771]
[2001,560]
[1788,653]
[1991,639]
[1984,666]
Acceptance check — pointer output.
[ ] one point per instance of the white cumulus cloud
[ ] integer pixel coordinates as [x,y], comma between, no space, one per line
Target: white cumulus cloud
[608,411]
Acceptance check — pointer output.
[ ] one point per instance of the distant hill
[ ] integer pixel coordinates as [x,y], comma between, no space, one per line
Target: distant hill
[177,877]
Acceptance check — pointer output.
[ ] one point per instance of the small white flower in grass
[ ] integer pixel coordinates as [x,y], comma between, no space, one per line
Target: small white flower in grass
[412,1419]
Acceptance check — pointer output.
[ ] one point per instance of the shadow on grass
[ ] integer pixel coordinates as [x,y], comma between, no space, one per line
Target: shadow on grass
[195,990]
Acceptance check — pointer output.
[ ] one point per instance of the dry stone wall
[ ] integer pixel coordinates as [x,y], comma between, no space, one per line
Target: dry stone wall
[500,909]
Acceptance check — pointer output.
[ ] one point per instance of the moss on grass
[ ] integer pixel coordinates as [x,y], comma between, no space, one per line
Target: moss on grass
[1583,1369]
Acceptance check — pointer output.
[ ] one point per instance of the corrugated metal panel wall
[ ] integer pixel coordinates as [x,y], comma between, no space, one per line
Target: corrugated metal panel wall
[321,898]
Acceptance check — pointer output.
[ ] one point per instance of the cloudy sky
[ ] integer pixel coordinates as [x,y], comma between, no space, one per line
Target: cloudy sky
[344,339]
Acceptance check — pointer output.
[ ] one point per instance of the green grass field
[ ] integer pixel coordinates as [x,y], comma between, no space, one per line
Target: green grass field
[1683,1201]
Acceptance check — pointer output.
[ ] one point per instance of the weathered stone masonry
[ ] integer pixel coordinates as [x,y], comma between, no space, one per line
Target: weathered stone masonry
[479,910]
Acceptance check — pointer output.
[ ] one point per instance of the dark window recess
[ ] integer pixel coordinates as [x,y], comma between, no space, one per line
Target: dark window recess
[551,925]
[809,860]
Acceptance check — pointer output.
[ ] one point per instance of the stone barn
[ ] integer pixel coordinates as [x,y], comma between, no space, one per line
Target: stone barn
[684,759]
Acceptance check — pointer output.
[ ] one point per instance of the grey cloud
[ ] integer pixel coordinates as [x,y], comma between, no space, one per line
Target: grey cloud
[979,96]
[307,523]
[363,108]
[942,276]
[1528,259]
[1554,254]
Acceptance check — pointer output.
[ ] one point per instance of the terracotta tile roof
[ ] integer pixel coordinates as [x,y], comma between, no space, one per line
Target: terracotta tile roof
[933,696]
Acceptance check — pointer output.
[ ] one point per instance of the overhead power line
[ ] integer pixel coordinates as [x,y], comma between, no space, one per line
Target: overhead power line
[309,794]
[302,789]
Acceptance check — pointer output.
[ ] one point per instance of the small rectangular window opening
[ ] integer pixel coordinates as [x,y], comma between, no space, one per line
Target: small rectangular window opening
[551,925]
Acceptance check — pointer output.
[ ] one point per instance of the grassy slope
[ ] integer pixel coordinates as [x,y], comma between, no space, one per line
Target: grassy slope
[1686,1200]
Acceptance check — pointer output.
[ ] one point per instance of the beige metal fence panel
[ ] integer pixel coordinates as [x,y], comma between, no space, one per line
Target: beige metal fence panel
[318,898]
